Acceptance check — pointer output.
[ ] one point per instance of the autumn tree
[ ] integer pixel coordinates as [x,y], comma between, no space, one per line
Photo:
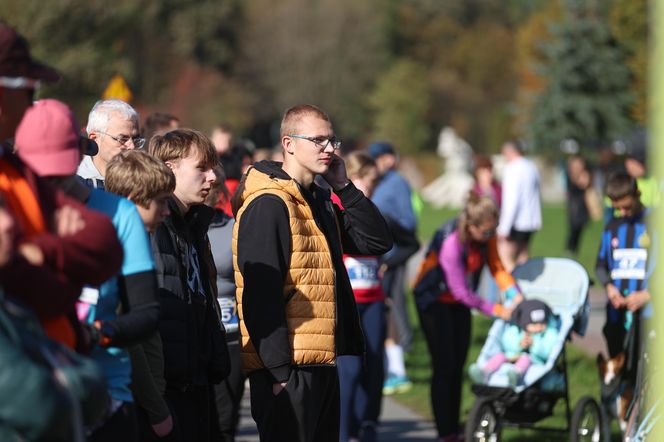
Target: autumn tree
[400,113]
[469,57]
[327,52]
[148,42]
[628,20]
[587,96]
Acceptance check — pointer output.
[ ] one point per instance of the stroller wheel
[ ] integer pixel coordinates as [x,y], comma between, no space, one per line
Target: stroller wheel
[483,423]
[586,422]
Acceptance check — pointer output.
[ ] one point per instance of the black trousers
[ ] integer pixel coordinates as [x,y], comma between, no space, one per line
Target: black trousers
[447,331]
[574,236]
[194,414]
[122,426]
[229,396]
[307,410]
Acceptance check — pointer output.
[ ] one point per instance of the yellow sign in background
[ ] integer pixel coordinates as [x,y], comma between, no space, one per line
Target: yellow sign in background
[119,89]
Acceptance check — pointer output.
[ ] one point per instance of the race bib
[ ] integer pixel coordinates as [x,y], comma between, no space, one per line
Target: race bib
[86,301]
[629,264]
[363,272]
[228,314]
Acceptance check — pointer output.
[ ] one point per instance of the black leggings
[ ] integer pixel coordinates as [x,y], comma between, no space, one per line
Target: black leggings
[447,331]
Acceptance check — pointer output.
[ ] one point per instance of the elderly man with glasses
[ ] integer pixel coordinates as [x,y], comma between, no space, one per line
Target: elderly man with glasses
[113,124]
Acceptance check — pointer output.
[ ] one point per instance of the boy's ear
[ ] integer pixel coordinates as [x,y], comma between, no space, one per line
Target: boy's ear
[170,164]
[130,197]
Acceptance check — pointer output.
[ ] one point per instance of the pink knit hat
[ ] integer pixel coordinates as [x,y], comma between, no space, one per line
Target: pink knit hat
[47,139]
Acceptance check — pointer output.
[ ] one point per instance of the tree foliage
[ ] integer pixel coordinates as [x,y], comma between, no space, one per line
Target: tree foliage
[401,112]
[327,52]
[530,37]
[629,23]
[469,56]
[143,40]
[470,64]
[587,95]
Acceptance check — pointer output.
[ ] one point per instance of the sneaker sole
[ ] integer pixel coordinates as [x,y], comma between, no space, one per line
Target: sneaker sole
[402,388]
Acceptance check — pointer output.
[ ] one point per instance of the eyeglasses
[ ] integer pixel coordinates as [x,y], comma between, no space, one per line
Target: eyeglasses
[321,142]
[124,139]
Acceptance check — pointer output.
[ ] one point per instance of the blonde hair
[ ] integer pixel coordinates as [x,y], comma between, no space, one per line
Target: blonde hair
[294,115]
[178,144]
[477,211]
[138,174]
[358,164]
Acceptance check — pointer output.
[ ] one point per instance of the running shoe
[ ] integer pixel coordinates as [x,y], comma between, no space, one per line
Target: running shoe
[396,385]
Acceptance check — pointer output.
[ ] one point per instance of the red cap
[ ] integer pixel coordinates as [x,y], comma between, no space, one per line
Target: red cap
[47,139]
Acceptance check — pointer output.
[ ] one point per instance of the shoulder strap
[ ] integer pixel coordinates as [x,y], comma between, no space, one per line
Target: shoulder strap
[442,233]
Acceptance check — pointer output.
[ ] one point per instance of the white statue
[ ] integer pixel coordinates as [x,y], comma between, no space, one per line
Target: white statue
[452,187]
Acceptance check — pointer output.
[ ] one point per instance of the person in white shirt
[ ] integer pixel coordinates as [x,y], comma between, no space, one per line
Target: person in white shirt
[521,212]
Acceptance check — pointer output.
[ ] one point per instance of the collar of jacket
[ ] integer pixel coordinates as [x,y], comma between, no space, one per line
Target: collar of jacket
[196,220]
[270,175]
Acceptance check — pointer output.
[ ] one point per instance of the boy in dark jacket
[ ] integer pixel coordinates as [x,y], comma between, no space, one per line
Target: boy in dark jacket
[194,346]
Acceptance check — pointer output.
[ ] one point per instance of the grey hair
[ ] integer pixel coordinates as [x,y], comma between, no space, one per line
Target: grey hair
[101,111]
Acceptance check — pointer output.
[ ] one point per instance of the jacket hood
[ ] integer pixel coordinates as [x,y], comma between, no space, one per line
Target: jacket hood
[261,176]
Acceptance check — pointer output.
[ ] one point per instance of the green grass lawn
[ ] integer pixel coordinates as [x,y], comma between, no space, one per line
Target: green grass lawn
[583,380]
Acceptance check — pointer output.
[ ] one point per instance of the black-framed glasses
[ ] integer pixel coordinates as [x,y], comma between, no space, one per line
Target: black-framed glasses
[124,139]
[321,142]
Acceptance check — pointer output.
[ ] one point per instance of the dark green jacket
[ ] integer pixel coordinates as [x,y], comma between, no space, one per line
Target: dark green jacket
[35,403]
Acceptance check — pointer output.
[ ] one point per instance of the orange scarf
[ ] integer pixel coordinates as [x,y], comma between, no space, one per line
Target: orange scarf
[24,205]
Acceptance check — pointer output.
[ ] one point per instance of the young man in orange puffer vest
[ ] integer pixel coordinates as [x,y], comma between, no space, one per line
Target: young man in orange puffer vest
[296,306]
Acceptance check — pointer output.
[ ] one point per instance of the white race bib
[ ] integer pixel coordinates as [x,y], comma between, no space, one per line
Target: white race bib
[89,295]
[362,272]
[629,264]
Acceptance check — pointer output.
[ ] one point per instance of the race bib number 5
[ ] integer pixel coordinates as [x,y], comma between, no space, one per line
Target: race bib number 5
[228,314]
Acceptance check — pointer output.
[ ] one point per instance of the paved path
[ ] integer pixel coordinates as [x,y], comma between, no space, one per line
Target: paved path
[593,341]
[397,424]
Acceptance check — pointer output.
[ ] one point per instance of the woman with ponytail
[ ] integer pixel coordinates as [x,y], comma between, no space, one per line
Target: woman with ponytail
[445,291]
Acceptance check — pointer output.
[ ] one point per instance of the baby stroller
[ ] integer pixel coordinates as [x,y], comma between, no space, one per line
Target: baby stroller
[563,285]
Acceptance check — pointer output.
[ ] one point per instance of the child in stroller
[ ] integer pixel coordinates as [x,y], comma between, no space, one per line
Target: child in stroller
[527,340]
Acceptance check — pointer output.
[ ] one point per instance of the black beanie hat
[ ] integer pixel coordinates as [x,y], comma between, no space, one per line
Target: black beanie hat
[530,311]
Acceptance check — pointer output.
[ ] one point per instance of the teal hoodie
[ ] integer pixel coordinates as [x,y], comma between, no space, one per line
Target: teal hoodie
[542,342]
